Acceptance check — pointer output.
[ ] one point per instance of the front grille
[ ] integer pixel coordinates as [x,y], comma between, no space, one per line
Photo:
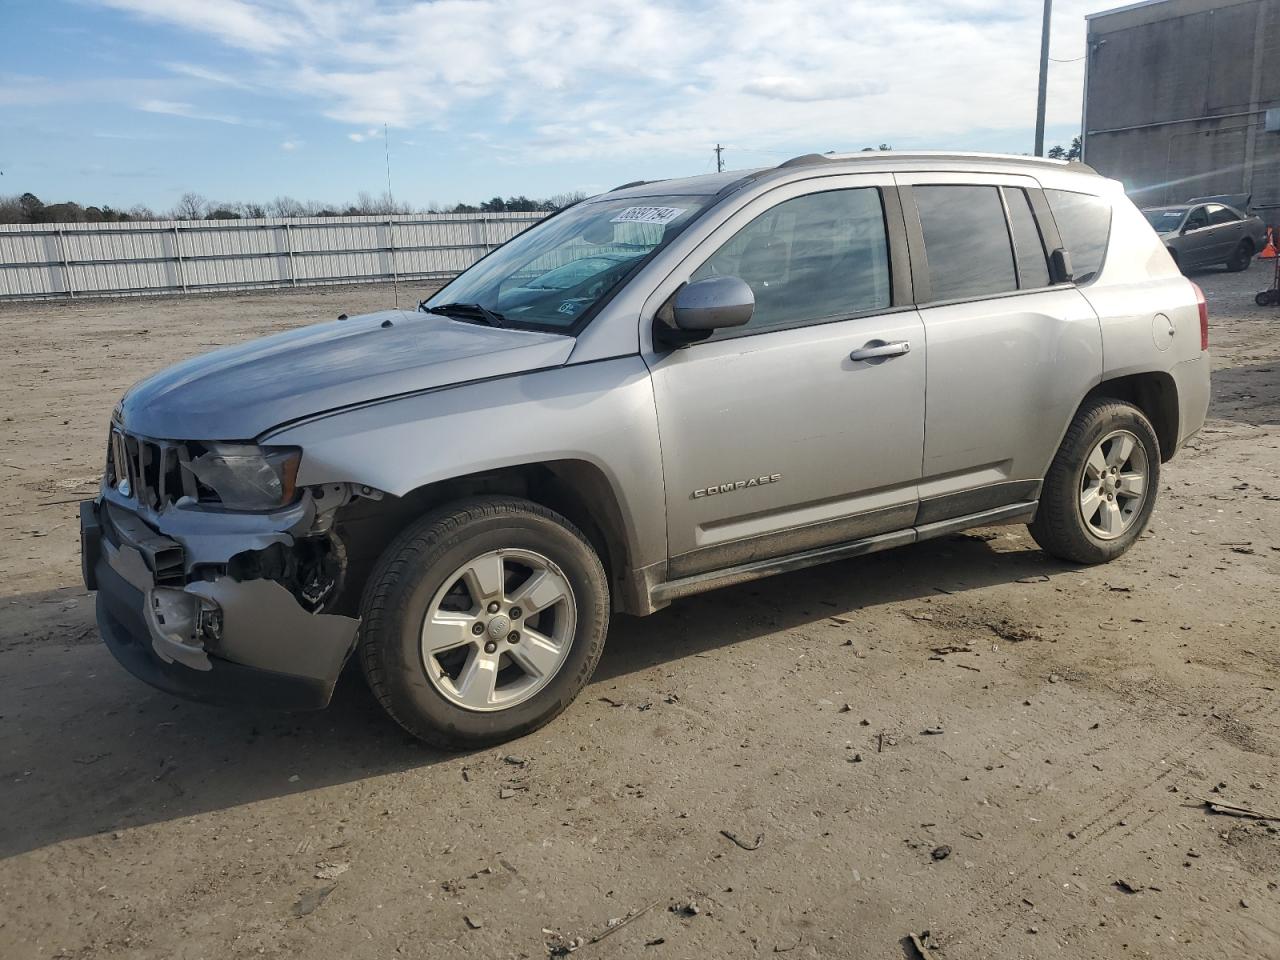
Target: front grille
[155,469]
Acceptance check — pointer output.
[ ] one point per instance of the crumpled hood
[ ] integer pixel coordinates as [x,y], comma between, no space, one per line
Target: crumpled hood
[239,392]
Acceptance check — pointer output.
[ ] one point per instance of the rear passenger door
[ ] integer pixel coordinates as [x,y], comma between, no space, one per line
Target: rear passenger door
[1226,230]
[1010,354]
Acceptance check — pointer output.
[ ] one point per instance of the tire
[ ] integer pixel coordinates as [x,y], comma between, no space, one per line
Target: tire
[422,572]
[1060,527]
[1241,257]
[1265,298]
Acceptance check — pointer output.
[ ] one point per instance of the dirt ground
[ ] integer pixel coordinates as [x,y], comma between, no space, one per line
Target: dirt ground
[1035,793]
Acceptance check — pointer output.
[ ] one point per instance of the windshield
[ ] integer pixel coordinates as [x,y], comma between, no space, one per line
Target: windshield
[551,275]
[1165,220]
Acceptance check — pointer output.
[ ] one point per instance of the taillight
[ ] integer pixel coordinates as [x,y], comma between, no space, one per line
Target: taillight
[1204,316]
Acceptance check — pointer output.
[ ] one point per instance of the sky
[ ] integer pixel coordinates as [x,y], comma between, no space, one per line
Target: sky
[138,101]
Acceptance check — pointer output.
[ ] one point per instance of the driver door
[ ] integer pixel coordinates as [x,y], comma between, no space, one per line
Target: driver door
[776,438]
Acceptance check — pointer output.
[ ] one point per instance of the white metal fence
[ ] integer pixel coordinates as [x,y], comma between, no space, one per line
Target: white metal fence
[52,261]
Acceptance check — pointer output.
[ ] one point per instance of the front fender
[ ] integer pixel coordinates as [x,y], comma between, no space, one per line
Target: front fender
[601,413]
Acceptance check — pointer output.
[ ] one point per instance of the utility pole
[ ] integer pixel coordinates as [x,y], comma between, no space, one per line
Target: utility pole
[391,219]
[719,161]
[1044,78]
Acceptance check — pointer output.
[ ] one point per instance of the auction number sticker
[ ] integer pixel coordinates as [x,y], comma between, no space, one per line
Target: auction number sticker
[658,215]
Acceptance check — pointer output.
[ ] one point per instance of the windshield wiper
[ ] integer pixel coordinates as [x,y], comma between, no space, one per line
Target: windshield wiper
[468,312]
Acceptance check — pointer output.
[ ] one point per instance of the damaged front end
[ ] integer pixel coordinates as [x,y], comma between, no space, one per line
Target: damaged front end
[216,579]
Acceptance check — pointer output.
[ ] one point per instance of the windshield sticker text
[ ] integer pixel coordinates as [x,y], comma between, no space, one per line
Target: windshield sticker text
[658,215]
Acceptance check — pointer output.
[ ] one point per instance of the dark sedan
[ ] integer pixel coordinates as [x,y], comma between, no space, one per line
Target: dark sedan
[1203,234]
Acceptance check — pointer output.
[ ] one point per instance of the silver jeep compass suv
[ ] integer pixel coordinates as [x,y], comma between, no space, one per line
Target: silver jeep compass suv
[667,388]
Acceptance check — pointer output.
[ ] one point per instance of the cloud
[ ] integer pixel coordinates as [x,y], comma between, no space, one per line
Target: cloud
[197,72]
[177,109]
[147,95]
[231,21]
[25,90]
[807,89]
[290,145]
[554,79]
[122,135]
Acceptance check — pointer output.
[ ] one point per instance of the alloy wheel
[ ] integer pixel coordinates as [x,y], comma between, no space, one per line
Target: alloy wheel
[1113,485]
[498,629]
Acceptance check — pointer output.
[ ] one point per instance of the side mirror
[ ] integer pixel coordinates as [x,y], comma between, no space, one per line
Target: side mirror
[1060,267]
[700,308]
[713,303]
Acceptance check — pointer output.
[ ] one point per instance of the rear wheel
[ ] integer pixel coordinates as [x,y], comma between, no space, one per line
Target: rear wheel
[483,621]
[1100,491]
[1241,257]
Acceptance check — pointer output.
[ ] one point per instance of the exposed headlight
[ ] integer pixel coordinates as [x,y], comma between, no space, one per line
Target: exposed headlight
[248,477]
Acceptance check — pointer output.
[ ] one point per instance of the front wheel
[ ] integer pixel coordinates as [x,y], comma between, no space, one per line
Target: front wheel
[483,621]
[1101,488]
[1241,257]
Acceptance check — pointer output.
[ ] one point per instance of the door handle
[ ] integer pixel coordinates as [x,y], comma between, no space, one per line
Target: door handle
[876,350]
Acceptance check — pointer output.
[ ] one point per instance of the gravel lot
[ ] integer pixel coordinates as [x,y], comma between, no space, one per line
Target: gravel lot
[1083,716]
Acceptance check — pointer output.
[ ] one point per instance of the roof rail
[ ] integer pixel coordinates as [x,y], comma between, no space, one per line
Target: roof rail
[633,183]
[741,182]
[812,158]
[804,160]
[1237,200]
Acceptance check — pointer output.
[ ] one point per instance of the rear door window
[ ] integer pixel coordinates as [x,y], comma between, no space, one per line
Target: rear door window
[966,241]
[1084,221]
[1028,246]
[1219,215]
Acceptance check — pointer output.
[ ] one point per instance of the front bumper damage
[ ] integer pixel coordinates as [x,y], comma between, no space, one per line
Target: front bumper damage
[182,610]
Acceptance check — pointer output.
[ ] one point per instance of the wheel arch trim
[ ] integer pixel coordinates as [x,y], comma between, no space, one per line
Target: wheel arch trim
[1155,393]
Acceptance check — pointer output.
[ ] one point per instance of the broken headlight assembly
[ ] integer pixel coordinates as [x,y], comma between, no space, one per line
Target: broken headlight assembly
[248,477]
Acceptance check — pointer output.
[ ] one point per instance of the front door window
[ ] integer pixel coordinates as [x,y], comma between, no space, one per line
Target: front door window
[823,256]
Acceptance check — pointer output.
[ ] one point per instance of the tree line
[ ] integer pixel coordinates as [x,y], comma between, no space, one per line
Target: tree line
[28,208]
[1059,152]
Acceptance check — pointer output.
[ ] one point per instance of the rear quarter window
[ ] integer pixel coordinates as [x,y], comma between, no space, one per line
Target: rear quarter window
[1084,223]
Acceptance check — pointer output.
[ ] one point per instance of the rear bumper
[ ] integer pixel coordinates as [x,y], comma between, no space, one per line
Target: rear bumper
[212,640]
[1191,377]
